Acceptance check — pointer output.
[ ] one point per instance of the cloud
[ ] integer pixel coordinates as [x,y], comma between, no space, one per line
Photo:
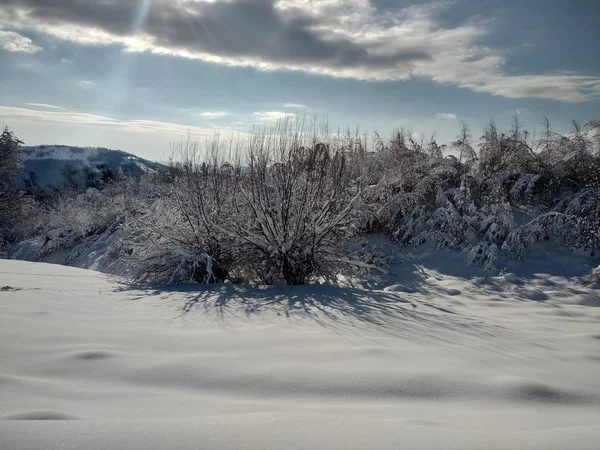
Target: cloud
[147,138]
[85,84]
[567,88]
[294,105]
[522,112]
[12,116]
[446,116]
[45,105]
[272,116]
[213,114]
[338,38]
[14,42]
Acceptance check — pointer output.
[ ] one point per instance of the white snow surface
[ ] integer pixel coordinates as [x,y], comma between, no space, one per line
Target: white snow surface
[431,360]
[62,152]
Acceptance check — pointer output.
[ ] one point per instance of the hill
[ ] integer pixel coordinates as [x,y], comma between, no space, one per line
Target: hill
[56,165]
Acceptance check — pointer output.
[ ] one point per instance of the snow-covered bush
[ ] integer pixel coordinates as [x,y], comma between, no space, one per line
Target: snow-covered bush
[278,211]
[484,254]
[447,222]
[163,246]
[506,152]
[581,204]
[295,202]
[179,220]
[175,266]
[75,217]
[495,222]
[281,205]
[452,219]
[561,229]
[57,239]
[449,225]
[522,190]
[584,206]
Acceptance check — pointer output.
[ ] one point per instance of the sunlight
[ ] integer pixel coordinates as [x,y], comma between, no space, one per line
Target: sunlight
[119,76]
[141,16]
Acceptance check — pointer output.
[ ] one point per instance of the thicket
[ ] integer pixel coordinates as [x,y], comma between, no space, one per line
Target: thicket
[283,205]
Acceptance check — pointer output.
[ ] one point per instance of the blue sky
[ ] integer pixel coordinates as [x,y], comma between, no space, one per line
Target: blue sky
[138,74]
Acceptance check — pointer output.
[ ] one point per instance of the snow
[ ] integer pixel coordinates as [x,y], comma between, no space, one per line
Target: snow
[436,357]
[62,152]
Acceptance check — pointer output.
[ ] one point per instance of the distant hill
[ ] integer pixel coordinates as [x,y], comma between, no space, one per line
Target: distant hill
[57,165]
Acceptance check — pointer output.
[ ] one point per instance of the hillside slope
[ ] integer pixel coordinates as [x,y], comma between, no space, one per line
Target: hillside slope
[432,361]
[53,165]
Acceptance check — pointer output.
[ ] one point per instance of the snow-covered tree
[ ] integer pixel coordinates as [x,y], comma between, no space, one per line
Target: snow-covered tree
[277,211]
[11,160]
[464,146]
[175,231]
[295,202]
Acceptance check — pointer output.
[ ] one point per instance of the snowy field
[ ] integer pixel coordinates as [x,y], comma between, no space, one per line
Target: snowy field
[430,360]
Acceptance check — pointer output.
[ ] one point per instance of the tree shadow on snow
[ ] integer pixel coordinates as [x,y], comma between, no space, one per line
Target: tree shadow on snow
[315,301]
[335,307]
[380,302]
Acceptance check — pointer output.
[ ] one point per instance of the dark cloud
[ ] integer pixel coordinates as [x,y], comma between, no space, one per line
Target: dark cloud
[236,28]
[438,40]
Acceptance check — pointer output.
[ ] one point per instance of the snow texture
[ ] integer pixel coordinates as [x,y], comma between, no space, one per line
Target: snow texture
[436,357]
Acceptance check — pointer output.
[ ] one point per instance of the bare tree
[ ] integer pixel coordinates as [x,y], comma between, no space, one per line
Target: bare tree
[297,198]
[177,232]
[464,144]
[273,207]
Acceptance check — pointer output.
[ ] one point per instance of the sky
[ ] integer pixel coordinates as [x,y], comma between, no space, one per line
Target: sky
[137,75]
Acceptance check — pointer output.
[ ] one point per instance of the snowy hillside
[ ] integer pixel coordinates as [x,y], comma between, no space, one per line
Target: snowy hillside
[433,360]
[50,165]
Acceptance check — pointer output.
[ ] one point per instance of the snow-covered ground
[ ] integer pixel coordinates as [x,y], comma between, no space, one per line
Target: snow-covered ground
[434,359]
